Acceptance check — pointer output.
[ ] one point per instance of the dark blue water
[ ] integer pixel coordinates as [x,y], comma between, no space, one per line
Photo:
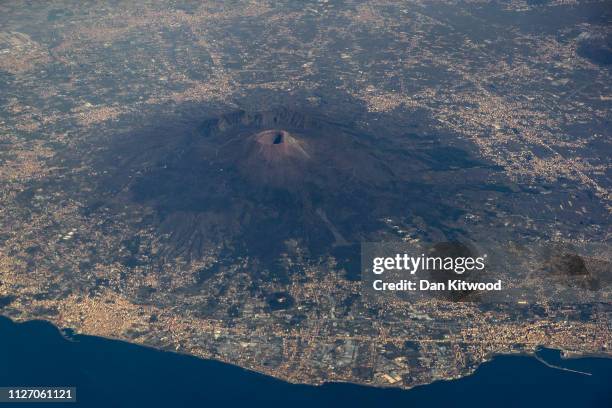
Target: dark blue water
[116,374]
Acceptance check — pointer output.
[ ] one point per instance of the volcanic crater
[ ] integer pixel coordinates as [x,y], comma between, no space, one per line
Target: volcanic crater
[275,157]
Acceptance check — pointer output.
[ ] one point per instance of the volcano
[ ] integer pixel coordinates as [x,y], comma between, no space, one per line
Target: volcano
[259,179]
[288,150]
[258,183]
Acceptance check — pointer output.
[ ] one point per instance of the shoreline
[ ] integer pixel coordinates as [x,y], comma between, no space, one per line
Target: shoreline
[72,338]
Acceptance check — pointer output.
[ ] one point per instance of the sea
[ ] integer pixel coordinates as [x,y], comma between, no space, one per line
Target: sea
[110,373]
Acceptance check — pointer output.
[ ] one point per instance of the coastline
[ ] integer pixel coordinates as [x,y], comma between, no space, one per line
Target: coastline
[72,337]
